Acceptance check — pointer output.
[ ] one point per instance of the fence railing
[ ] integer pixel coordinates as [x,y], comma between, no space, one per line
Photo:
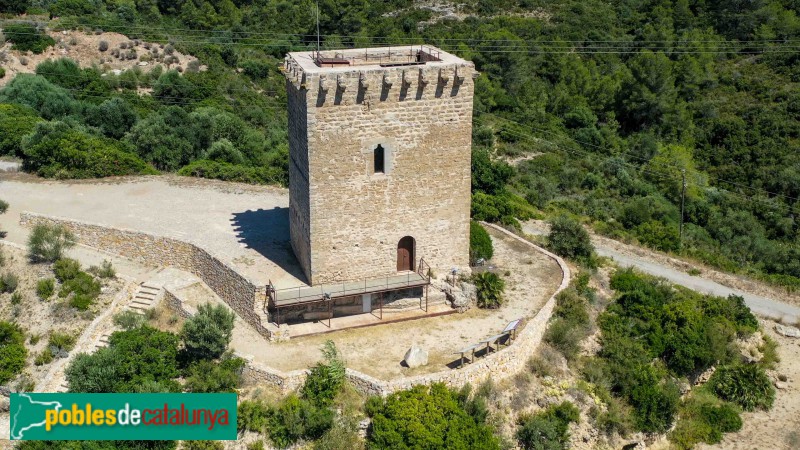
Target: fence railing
[309,294]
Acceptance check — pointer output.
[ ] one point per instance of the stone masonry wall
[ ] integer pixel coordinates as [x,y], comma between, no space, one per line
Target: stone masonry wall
[505,363]
[238,292]
[422,117]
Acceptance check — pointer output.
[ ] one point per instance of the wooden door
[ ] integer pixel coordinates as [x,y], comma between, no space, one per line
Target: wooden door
[405,254]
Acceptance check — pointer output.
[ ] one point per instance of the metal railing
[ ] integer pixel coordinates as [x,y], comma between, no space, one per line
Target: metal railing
[309,294]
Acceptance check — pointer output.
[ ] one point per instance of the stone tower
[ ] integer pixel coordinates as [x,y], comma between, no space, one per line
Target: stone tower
[379,172]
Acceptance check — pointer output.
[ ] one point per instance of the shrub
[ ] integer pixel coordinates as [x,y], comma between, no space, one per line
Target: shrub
[480,244]
[296,419]
[326,378]
[704,419]
[548,429]
[47,243]
[128,320]
[66,269]
[3,206]
[27,37]
[617,418]
[571,307]
[209,376]
[45,288]
[231,172]
[2,72]
[102,46]
[252,416]
[46,357]
[489,288]
[97,372]
[206,335]
[60,344]
[564,337]
[569,239]
[85,290]
[16,298]
[12,351]
[744,384]
[106,270]
[8,282]
[426,417]
[256,69]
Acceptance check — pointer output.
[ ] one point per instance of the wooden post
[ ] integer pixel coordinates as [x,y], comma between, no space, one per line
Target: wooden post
[330,312]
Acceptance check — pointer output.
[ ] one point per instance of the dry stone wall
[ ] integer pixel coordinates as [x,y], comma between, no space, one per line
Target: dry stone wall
[500,365]
[238,292]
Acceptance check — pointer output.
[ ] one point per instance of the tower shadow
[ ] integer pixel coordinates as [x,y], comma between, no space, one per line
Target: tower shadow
[267,232]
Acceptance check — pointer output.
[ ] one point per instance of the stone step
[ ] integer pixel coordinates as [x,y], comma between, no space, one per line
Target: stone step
[143,301]
[149,287]
[147,294]
[135,307]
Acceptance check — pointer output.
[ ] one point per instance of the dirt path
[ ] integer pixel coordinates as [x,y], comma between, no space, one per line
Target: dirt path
[764,300]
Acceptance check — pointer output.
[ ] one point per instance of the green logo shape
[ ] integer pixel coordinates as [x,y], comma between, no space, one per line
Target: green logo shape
[102,417]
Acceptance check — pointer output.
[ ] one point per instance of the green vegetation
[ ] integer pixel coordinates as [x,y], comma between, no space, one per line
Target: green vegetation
[8,283]
[27,37]
[12,351]
[207,334]
[47,243]
[432,417]
[568,238]
[654,336]
[490,288]
[45,288]
[80,287]
[549,429]
[747,385]
[480,243]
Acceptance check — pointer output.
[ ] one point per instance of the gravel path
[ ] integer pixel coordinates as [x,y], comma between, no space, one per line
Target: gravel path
[760,304]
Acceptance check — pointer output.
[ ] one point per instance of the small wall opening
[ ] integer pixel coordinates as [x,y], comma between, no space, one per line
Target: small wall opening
[379,159]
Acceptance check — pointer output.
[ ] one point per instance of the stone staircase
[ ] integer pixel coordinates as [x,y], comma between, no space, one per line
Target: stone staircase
[144,298]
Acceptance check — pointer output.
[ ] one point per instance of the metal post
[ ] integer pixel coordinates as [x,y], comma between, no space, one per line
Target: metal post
[683,197]
[330,312]
[426,298]
[381,305]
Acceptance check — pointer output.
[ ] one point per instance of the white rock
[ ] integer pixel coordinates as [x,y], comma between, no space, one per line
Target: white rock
[415,357]
[143,63]
[787,331]
[3,404]
[781,385]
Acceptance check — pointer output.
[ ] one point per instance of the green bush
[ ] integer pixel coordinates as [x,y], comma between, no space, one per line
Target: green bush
[428,417]
[206,334]
[252,416]
[133,360]
[46,357]
[16,121]
[128,320]
[564,337]
[568,238]
[85,290]
[617,418]
[549,429]
[106,270]
[294,419]
[8,282]
[480,243]
[45,288]
[704,418]
[27,37]
[203,445]
[54,151]
[326,378]
[210,376]
[12,351]
[66,269]
[47,243]
[571,307]
[747,385]
[60,344]
[489,288]
[230,172]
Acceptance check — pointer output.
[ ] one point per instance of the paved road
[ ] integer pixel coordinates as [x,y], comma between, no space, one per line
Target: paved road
[762,306]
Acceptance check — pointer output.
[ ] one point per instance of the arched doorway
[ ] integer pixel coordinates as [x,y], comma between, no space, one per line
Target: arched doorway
[405,254]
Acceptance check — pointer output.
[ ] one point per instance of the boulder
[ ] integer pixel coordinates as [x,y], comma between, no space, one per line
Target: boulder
[469,290]
[416,357]
[788,331]
[3,404]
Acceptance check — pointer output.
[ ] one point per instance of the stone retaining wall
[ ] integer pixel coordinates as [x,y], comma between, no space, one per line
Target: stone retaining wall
[499,365]
[175,304]
[237,291]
